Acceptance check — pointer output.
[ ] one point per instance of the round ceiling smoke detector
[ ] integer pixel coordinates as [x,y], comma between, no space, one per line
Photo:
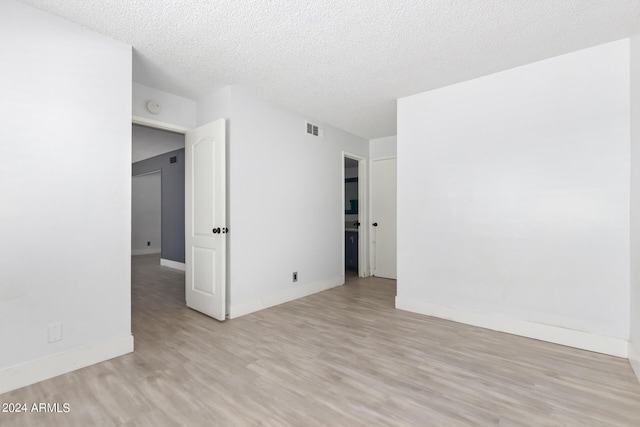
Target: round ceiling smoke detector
[153,107]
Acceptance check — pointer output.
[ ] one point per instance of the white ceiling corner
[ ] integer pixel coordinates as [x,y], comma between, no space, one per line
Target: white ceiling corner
[343,62]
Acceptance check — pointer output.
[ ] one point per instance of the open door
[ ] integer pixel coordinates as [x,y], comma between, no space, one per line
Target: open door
[205,219]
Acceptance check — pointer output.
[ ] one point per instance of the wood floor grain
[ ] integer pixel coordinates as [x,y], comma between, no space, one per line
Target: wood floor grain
[343,357]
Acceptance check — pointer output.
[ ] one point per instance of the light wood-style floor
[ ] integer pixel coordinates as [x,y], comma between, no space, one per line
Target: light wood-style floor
[344,357]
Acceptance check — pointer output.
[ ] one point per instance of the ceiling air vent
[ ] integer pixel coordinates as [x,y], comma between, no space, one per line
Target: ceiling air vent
[315,130]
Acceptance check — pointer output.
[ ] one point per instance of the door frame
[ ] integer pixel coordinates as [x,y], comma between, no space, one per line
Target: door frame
[157,124]
[363,213]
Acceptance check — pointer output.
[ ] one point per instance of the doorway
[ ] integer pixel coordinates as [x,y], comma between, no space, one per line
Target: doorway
[354,211]
[158,166]
[197,165]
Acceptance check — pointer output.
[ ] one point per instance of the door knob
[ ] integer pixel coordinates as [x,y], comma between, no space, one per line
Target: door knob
[375,224]
[357,224]
[216,230]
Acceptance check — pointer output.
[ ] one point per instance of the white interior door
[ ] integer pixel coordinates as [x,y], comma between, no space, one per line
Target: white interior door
[205,219]
[384,210]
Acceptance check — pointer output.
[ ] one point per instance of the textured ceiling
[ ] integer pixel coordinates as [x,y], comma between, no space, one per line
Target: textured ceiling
[338,61]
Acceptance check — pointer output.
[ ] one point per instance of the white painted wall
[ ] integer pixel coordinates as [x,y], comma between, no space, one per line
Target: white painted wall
[66,195]
[216,105]
[383,148]
[146,214]
[513,200]
[148,142]
[176,110]
[285,200]
[634,341]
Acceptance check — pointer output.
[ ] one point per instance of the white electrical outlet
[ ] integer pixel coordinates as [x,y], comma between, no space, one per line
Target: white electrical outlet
[55,332]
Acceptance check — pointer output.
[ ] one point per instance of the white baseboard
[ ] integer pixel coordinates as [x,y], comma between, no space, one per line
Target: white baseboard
[172,264]
[555,334]
[634,359]
[145,251]
[281,297]
[42,369]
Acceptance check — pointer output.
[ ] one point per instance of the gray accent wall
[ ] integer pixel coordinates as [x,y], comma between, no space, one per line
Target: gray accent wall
[172,203]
